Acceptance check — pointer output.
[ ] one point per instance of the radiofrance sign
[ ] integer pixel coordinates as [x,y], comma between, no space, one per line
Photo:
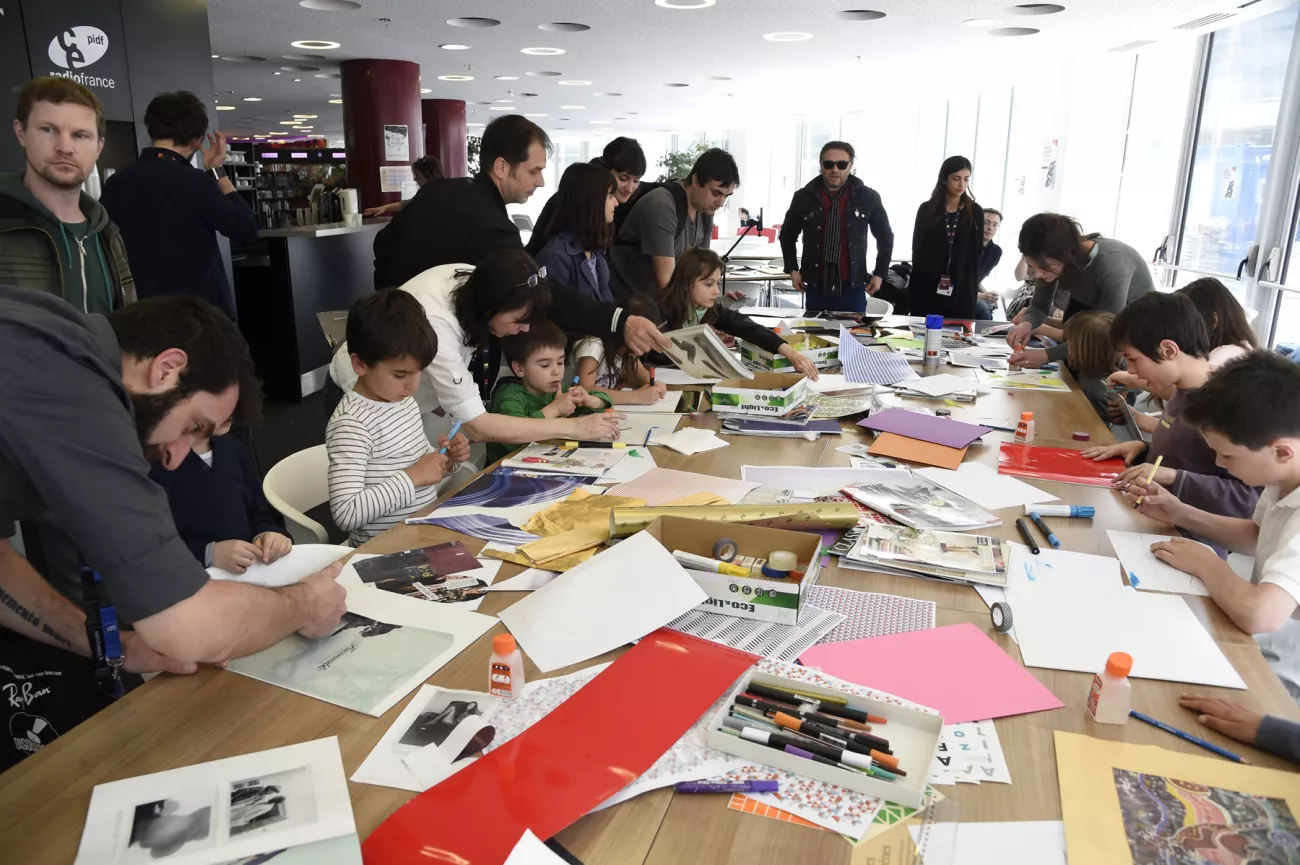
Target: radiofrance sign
[76,48]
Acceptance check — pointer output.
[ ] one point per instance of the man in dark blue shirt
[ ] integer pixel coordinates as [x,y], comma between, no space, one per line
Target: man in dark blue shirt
[989,258]
[168,210]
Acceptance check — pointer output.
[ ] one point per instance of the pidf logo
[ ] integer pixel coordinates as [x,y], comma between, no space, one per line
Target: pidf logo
[78,46]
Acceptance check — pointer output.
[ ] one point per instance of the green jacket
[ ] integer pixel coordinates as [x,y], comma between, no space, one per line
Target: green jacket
[36,251]
[513,399]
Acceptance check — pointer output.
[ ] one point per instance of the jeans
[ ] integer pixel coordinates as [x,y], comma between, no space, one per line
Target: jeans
[983,310]
[852,298]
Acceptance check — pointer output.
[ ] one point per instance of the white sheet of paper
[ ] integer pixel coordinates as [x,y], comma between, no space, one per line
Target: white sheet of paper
[638,461]
[348,578]
[667,405]
[940,385]
[531,851]
[671,376]
[1017,843]
[1067,625]
[1023,567]
[689,441]
[525,581]
[978,361]
[603,603]
[302,560]
[813,480]
[985,487]
[1147,573]
[834,382]
[633,429]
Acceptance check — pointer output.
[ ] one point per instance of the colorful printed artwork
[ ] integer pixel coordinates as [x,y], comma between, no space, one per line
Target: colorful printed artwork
[507,488]
[1172,822]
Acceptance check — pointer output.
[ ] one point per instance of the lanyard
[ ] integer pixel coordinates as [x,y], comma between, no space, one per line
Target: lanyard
[103,635]
[950,221]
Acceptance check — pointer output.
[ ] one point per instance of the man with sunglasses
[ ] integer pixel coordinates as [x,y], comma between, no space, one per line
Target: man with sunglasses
[834,212]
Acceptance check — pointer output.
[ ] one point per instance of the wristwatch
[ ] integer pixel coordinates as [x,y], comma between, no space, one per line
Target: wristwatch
[217,173]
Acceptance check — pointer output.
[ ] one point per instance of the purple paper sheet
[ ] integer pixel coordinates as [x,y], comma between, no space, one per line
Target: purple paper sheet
[928,428]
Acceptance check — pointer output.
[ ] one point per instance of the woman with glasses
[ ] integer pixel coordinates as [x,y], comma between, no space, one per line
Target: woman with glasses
[1099,273]
[580,232]
[471,309]
[947,242]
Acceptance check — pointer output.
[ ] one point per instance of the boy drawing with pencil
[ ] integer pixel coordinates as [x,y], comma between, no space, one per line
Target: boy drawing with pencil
[536,356]
[1249,413]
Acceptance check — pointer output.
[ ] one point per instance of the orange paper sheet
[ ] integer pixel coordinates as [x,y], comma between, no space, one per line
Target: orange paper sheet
[741,802]
[916,451]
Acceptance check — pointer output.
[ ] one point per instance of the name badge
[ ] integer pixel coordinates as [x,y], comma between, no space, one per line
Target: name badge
[945,287]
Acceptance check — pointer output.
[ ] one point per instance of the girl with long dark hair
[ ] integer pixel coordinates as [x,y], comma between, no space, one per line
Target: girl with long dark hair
[581,230]
[947,241]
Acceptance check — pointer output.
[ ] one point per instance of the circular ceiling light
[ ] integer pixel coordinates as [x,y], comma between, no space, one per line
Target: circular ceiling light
[296,80]
[277,73]
[982,22]
[300,68]
[455,77]
[543,74]
[676,84]
[305,116]
[288,122]
[685,4]
[425,90]
[326,75]
[242,58]
[527,94]
[303,57]
[336,102]
[1013,31]
[788,36]
[315,44]
[1036,9]
[607,94]
[507,78]
[473,22]
[252,99]
[225,108]
[542,52]
[503,100]
[215,56]
[452,46]
[534,115]
[564,27]
[859,15]
[501,108]
[576,82]
[475,124]
[330,5]
[573,108]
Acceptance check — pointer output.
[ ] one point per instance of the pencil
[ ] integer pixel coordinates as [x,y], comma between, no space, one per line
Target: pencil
[1150,476]
[1187,737]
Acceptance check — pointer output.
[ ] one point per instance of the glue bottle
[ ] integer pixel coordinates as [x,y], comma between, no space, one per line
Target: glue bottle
[1025,429]
[505,667]
[933,341]
[1111,696]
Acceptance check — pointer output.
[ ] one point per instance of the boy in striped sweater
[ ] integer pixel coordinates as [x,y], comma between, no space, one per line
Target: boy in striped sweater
[382,467]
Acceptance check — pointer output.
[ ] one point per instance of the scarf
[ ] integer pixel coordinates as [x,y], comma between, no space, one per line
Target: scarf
[831,245]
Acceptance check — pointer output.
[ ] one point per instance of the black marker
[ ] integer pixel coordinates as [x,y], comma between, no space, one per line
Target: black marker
[1024,533]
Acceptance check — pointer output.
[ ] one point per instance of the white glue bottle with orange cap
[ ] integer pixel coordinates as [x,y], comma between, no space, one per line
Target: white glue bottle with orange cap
[1111,696]
[505,667]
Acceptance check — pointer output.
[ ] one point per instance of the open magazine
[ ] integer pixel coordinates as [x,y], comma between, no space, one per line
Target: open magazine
[914,501]
[946,555]
[698,352]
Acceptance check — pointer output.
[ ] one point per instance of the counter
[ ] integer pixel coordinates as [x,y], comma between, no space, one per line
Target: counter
[327,229]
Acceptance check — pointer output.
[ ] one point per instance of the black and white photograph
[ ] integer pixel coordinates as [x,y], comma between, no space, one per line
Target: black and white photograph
[698,352]
[440,715]
[278,801]
[177,824]
[396,144]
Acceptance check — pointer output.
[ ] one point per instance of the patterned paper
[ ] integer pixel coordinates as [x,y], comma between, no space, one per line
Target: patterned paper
[484,528]
[889,815]
[782,642]
[869,614]
[661,486]
[864,365]
[746,805]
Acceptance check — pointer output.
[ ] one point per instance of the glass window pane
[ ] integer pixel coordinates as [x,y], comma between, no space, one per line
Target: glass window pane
[1242,94]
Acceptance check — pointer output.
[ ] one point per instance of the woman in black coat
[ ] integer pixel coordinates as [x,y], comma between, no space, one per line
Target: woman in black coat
[946,244]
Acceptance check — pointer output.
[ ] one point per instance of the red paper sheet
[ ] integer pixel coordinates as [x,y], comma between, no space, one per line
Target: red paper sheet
[594,744]
[956,670]
[1056,464]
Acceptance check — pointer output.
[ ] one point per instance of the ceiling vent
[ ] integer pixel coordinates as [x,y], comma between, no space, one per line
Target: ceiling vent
[1206,21]
[1141,43]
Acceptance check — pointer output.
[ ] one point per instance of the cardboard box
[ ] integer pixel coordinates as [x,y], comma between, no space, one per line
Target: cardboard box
[767,394]
[761,598]
[823,353]
[913,737]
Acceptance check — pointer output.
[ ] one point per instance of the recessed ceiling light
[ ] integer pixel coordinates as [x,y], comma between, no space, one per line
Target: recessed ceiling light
[336,96]
[598,121]
[475,124]
[336,102]
[542,52]
[305,116]
[788,36]
[259,136]
[527,94]
[455,77]
[685,4]
[326,75]
[564,27]
[859,15]
[425,90]
[452,46]
[1036,9]
[1013,31]
[225,108]
[576,82]
[534,115]
[215,56]
[296,80]
[473,22]
[330,5]
[303,57]
[277,73]
[252,99]
[501,108]
[982,22]
[300,68]
[507,78]
[288,122]
[573,108]
[717,78]
[242,58]
[543,74]
[503,100]
[315,44]
[607,94]
[676,84]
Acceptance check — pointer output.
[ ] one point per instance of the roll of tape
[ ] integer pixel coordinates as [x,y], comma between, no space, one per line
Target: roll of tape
[725,549]
[782,560]
[1000,611]
[1081,436]
[774,573]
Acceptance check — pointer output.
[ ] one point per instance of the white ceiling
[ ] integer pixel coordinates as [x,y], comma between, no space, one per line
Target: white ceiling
[635,48]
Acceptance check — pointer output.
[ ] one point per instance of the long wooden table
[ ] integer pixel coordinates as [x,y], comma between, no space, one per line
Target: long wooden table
[176,721]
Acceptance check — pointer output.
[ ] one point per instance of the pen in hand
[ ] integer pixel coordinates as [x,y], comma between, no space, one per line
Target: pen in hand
[455,428]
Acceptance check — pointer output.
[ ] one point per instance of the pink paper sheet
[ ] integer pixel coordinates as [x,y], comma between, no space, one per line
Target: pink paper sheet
[956,670]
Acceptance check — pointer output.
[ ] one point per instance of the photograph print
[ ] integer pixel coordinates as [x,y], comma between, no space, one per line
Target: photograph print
[698,352]
[176,825]
[274,802]
[397,572]
[441,714]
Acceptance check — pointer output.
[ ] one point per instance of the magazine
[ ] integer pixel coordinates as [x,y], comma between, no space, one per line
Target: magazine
[557,459]
[1029,379]
[698,352]
[916,502]
[405,571]
[947,555]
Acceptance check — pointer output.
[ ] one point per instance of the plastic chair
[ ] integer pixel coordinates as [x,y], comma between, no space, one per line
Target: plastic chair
[876,306]
[296,484]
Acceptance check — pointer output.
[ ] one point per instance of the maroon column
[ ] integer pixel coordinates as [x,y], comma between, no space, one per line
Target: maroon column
[444,134]
[379,93]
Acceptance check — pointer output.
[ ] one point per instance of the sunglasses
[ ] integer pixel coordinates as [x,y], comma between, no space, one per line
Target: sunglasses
[842,165]
[536,279]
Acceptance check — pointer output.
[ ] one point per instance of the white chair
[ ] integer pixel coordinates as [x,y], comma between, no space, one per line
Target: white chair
[877,306]
[296,484]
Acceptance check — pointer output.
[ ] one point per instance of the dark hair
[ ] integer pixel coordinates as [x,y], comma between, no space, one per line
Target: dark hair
[715,164]
[1056,236]
[216,355]
[499,284]
[637,304]
[510,138]
[56,90]
[1252,401]
[1225,319]
[540,334]
[837,145]
[939,195]
[580,206]
[675,299]
[624,155]
[994,211]
[1155,317]
[428,167]
[179,117]
[388,325]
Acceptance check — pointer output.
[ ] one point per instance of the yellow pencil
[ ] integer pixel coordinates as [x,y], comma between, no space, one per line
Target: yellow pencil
[1150,475]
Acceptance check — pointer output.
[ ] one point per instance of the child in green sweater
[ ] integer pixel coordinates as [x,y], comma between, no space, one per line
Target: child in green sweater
[536,356]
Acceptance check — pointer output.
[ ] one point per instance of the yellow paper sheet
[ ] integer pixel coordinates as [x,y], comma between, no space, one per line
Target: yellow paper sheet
[1097,830]
[580,510]
[564,544]
[559,565]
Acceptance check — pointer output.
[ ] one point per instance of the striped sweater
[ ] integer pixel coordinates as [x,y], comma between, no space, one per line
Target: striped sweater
[369,444]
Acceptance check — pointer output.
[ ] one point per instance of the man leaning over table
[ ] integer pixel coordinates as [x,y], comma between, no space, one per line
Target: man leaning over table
[84,396]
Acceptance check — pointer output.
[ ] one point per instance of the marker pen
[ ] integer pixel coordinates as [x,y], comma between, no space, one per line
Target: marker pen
[780,740]
[455,428]
[732,787]
[772,706]
[1083,512]
[1042,527]
[826,705]
[849,744]
[704,563]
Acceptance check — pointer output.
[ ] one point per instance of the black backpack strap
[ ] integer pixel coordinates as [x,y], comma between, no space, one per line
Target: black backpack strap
[678,192]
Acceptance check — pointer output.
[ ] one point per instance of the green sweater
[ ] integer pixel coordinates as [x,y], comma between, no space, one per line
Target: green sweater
[514,399]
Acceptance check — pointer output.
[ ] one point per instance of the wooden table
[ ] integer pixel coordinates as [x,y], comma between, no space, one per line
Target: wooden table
[177,721]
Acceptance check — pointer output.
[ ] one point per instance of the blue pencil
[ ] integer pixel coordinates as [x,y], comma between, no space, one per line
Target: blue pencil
[1188,737]
[455,428]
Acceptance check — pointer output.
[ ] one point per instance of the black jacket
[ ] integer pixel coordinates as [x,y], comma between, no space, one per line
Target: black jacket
[864,211]
[930,261]
[169,213]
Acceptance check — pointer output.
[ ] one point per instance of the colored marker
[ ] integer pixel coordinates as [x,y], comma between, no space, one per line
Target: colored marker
[731,787]
[1042,527]
[1188,737]
[781,740]
[572,444]
[1084,512]
[847,741]
[704,563]
[1029,538]
[455,428]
